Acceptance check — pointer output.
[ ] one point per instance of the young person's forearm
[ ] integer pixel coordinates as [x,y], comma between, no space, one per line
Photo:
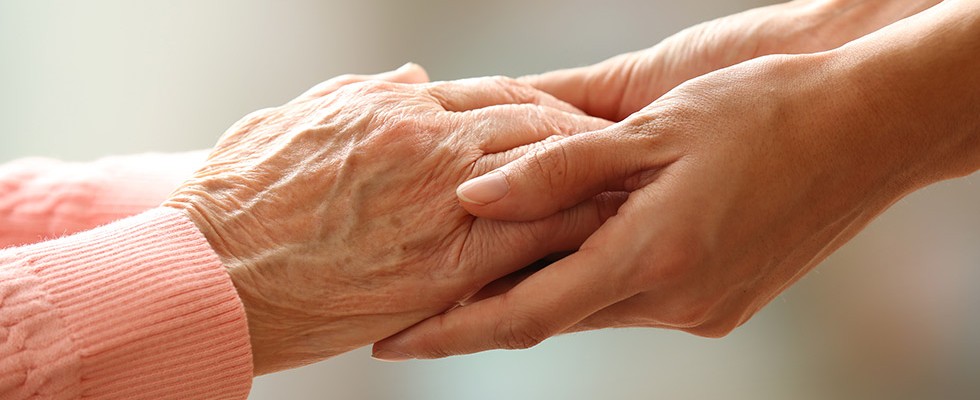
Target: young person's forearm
[916,84]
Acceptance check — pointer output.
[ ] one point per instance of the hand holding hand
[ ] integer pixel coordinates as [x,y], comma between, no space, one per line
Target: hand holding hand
[336,215]
[740,182]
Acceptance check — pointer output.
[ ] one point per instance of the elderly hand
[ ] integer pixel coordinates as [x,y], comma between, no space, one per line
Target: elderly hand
[622,85]
[336,214]
[740,182]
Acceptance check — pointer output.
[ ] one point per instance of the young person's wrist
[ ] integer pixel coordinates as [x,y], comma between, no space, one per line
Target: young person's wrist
[912,87]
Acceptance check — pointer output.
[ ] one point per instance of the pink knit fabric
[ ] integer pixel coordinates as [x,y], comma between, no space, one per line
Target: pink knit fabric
[140,308]
[41,198]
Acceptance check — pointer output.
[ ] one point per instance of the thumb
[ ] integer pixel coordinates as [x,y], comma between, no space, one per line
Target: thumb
[547,303]
[556,177]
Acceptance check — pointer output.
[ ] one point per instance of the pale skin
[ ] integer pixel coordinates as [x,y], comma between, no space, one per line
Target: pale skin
[336,217]
[740,181]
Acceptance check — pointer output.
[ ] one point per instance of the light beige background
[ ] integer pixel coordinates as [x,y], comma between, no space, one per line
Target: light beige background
[892,315]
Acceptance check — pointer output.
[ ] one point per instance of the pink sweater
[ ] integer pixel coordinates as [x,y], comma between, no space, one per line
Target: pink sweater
[140,308]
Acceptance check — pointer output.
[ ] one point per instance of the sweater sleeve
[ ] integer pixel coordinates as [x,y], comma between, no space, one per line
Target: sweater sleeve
[43,198]
[138,309]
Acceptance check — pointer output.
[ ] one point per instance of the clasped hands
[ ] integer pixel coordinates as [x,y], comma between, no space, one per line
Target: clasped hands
[690,182]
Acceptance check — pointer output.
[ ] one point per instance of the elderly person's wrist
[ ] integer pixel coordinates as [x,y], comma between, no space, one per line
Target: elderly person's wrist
[244,288]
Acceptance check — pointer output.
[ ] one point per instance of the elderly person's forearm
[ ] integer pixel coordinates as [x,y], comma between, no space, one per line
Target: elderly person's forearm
[42,198]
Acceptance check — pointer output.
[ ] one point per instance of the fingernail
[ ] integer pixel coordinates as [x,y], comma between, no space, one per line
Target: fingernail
[390,356]
[485,189]
[406,67]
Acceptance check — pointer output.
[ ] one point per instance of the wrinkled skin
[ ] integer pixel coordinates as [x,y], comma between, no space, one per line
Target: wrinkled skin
[336,215]
[740,182]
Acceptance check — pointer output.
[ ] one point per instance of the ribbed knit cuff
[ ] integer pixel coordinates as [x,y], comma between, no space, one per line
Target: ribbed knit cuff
[150,309]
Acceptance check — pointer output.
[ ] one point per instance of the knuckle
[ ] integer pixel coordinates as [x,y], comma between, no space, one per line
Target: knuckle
[405,131]
[249,122]
[259,114]
[550,162]
[659,120]
[402,127]
[379,102]
[438,350]
[376,86]
[544,123]
[500,80]
[714,330]
[440,92]
[365,88]
[318,90]
[408,138]
[607,204]
[350,90]
[518,333]
[344,79]
[517,91]
[332,85]
[692,315]
[711,316]
[567,125]
[736,314]
[554,125]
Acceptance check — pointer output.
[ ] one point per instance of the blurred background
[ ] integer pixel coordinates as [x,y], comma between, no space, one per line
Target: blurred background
[894,314]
